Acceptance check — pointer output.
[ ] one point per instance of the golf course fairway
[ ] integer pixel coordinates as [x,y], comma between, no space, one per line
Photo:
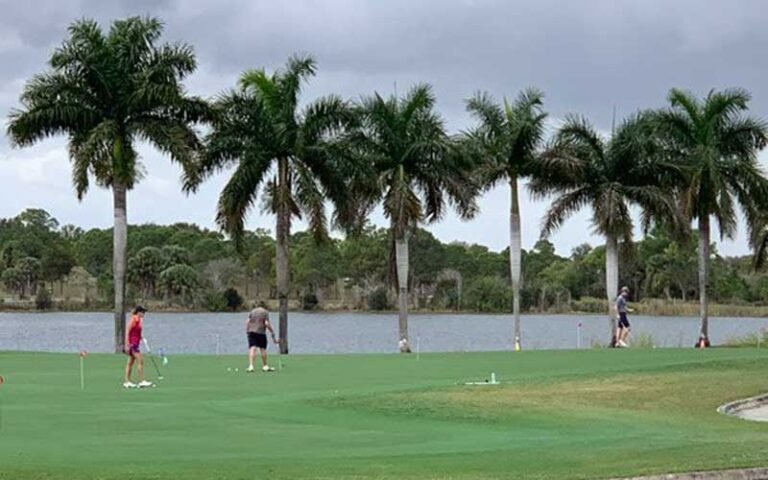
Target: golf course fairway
[556,414]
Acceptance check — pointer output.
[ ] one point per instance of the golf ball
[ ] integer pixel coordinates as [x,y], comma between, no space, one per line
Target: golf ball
[229,369]
[237,369]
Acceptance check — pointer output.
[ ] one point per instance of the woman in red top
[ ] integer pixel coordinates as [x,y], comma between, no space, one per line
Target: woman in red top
[132,349]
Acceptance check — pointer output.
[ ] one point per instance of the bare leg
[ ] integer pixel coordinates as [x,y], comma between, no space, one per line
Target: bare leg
[263,356]
[251,356]
[140,367]
[128,368]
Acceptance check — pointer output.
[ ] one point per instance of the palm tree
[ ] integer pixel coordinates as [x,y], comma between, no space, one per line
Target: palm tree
[285,153]
[107,92]
[414,171]
[585,170]
[507,140]
[716,144]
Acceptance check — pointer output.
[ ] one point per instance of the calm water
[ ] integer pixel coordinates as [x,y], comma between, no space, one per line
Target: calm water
[351,332]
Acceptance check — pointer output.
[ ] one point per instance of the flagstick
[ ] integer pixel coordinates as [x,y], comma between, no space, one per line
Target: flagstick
[82,374]
[578,336]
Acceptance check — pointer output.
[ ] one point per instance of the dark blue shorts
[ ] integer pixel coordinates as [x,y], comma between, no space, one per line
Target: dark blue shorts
[623,322]
[133,349]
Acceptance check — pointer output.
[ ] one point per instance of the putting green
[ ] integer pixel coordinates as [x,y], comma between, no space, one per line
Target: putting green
[557,414]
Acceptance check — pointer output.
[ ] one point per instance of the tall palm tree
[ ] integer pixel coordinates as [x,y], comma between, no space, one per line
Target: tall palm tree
[608,175]
[284,155]
[414,171]
[107,92]
[507,140]
[716,143]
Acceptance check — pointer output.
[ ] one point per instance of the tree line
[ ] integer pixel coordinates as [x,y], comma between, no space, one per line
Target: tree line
[693,161]
[186,266]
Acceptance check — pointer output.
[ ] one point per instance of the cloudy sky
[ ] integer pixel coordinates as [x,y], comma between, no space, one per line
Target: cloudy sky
[589,56]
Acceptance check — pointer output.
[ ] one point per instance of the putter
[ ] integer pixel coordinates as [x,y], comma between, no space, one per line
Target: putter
[152,358]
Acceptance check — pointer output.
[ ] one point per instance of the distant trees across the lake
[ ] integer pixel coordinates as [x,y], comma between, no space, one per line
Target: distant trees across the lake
[186,266]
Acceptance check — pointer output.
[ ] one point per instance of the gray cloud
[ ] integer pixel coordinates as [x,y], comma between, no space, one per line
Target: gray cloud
[588,57]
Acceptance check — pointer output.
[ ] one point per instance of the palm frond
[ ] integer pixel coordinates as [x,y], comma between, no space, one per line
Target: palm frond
[687,102]
[177,140]
[310,197]
[726,215]
[419,100]
[564,206]
[484,109]
[240,193]
[725,104]
[743,136]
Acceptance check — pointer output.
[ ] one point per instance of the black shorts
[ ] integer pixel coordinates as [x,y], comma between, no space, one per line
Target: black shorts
[258,340]
[623,322]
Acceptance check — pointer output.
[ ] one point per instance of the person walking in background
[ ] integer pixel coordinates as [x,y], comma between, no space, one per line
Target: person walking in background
[622,330]
[256,329]
[132,349]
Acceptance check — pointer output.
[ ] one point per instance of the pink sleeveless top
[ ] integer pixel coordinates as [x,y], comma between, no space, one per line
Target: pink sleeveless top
[134,334]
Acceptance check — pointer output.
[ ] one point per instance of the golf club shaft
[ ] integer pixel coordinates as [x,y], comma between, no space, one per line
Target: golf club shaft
[157,369]
[152,358]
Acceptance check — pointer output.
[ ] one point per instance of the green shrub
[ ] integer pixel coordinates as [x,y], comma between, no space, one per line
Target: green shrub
[233,299]
[309,302]
[43,300]
[489,294]
[378,300]
[215,302]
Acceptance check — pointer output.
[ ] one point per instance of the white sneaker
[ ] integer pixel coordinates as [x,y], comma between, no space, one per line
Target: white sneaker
[145,384]
[267,368]
[250,369]
[129,385]
[622,343]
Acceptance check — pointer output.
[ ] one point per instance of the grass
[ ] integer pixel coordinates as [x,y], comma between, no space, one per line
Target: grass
[557,414]
[756,340]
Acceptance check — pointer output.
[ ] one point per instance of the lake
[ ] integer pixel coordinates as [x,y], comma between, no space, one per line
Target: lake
[321,332]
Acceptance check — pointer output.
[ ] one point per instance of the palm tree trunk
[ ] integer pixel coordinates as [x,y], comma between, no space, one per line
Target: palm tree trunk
[611,279]
[515,246]
[283,231]
[120,240]
[704,275]
[401,263]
